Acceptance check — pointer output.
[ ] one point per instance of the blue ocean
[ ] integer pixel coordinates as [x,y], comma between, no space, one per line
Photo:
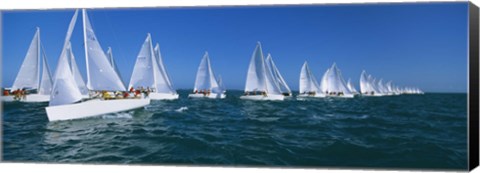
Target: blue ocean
[407,131]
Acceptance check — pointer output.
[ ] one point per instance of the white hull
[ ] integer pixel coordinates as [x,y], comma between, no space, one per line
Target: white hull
[93,107]
[311,96]
[30,98]
[342,96]
[374,95]
[210,96]
[162,96]
[7,99]
[261,97]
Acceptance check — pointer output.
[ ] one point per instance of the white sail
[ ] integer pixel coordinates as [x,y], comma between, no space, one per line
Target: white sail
[256,78]
[65,90]
[220,84]
[75,71]
[351,87]
[112,62]
[147,71]
[364,83]
[335,80]
[29,74]
[46,82]
[100,74]
[168,88]
[324,81]
[381,87]
[143,71]
[308,83]
[373,84]
[271,82]
[278,77]
[205,79]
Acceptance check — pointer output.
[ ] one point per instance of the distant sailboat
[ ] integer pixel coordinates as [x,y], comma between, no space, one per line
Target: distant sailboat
[308,85]
[334,85]
[278,77]
[260,84]
[66,98]
[367,87]
[149,74]
[206,86]
[33,76]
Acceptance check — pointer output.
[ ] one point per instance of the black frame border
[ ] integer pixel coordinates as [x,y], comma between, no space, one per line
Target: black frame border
[473,97]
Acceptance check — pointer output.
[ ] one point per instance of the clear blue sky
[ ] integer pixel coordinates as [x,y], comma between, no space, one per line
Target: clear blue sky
[423,44]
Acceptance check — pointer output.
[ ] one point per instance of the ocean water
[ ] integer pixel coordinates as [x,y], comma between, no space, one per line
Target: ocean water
[407,131]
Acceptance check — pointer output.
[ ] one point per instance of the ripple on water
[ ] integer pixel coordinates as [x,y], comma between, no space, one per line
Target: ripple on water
[423,131]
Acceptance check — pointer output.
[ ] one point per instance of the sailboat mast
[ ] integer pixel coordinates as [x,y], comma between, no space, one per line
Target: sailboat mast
[84,16]
[39,58]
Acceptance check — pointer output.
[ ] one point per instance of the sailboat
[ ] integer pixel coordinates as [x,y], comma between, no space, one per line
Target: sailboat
[260,84]
[367,85]
[334,85]
[36,82]
[351,87]
[277,76]
[206,86]
[150,74]
[308,84]
[66,100]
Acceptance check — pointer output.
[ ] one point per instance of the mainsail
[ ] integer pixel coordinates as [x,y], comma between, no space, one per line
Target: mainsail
[168,87]
[100,74]
[256,78]
[276,74]
[29,74]
[205,79]
[308,83]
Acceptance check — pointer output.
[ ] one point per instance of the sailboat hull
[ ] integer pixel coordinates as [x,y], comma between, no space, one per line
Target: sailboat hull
[342,96]
[92,108]
[162,96]
[262,97]
[210,96]
[31,98]
[369,95]
[311,96]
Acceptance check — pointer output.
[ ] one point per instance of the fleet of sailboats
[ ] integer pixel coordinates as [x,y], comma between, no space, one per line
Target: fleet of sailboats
[70,97]
[369,87]
[206,85]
